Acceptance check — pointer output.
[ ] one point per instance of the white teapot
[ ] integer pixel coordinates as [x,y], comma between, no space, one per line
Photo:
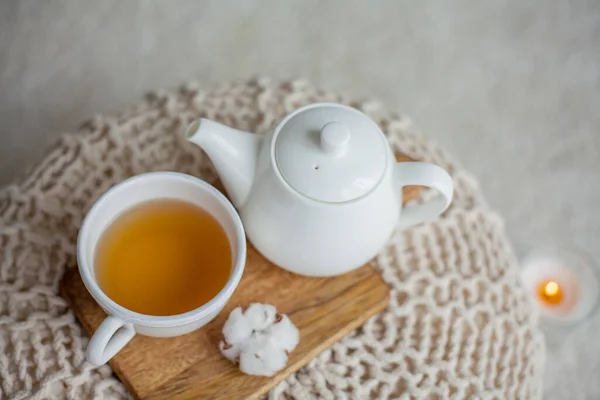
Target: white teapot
[321,194]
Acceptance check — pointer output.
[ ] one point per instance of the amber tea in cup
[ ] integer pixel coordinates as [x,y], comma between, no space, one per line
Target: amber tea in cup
[163,257]
[162,253]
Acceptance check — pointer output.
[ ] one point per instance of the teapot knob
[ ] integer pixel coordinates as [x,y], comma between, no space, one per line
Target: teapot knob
[335,138]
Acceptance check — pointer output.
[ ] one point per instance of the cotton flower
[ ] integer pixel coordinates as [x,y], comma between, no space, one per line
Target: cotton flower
[258,339]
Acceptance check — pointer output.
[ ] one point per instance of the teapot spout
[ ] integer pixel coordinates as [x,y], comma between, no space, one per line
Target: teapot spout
[234,154]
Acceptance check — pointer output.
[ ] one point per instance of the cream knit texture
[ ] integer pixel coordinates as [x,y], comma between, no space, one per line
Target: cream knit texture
[458,325]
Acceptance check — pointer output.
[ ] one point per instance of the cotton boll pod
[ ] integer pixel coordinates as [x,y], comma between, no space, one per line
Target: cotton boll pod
[261,357]
[284,333]
[237,328]
[231,352]
[258,339]
[260,316]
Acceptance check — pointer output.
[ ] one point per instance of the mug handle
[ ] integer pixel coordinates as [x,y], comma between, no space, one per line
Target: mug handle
[110,337]
[429,175]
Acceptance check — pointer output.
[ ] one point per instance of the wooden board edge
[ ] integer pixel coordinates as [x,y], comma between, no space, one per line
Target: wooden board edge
[383,290]
[311,354]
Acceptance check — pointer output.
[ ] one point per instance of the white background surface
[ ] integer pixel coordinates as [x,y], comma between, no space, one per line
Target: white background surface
[511,89]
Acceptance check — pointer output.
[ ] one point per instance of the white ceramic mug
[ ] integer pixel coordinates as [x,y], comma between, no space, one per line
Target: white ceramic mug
[122,324]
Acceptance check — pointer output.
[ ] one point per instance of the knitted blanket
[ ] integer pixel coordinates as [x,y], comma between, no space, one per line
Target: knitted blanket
[458,324]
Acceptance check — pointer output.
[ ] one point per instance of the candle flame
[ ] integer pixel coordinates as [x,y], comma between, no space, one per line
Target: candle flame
[551,288]
[550,293]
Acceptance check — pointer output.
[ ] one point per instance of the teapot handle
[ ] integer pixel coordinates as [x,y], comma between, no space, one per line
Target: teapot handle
[429,175]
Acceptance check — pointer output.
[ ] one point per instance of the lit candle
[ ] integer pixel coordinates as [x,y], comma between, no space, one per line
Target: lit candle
[563,284]
[551,293]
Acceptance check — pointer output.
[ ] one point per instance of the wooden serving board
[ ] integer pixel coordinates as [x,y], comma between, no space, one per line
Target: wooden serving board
[191,366]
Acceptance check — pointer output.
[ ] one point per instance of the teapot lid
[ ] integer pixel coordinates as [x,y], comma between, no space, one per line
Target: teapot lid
[330,152]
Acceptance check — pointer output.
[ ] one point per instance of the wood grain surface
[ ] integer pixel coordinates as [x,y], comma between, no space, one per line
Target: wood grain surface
[191,366]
